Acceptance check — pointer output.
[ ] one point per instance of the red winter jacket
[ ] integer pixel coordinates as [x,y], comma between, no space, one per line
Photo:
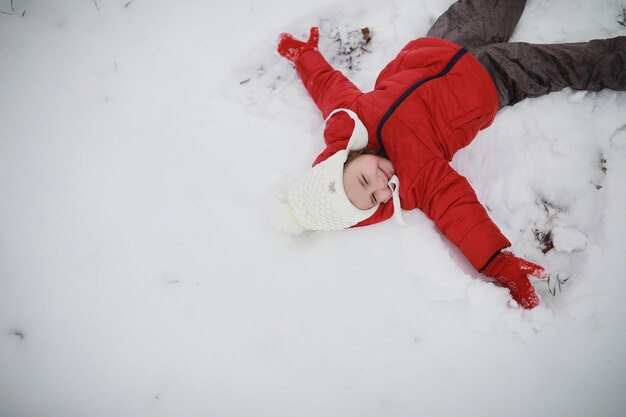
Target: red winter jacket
[427,103]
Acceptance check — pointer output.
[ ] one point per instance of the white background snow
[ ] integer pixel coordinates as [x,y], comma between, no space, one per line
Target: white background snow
[138,276]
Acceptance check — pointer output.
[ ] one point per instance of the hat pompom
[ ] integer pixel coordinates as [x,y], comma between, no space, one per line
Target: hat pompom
[280,216]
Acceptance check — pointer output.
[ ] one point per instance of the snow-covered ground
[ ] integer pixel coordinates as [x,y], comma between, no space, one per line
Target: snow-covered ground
[138,276]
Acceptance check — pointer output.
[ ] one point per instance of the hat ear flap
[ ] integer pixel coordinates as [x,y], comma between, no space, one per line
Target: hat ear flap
[359,138]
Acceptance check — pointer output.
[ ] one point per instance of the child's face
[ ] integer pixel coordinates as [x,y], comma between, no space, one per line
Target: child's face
[365,180]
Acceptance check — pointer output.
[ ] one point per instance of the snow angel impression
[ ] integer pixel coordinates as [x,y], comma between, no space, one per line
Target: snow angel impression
[389,149]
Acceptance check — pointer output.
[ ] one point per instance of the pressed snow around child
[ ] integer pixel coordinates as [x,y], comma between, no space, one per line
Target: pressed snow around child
[389,149]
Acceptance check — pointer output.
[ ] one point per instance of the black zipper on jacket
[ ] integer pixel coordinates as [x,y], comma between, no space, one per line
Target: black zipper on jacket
[412,88]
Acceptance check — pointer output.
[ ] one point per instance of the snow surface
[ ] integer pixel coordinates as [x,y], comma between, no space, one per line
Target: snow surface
[567,240]
[138,276]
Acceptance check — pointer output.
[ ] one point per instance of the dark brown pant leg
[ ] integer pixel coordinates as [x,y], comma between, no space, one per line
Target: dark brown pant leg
[471,23]
[521,70]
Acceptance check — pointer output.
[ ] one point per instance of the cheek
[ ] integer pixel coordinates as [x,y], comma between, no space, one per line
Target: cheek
[354,192]
[348,187]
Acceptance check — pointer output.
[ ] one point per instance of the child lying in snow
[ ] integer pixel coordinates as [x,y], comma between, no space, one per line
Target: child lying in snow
[391,147]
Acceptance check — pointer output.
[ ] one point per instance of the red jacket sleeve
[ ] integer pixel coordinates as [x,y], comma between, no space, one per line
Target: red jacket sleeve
[450,201]
[328,88]
[331,90]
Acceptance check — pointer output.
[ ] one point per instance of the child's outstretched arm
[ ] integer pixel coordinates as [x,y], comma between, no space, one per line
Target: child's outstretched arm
[328,88]
[450,201]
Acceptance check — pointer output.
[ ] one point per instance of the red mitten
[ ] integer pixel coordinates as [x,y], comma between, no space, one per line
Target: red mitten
[291,48]
[512,272]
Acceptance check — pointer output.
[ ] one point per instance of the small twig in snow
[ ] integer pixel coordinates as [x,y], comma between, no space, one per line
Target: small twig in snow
[545,239]
[9,13]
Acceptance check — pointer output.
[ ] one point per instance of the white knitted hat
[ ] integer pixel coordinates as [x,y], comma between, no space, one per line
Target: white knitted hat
[317,199]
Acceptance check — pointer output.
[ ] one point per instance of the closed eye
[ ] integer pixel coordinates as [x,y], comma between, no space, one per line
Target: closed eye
[364,179]
[374,199]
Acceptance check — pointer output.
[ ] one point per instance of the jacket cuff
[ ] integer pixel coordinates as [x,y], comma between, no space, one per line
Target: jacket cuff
[494,256]
[480,245]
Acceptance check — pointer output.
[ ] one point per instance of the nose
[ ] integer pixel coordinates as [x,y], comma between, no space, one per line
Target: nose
[382,193]
[381,180]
